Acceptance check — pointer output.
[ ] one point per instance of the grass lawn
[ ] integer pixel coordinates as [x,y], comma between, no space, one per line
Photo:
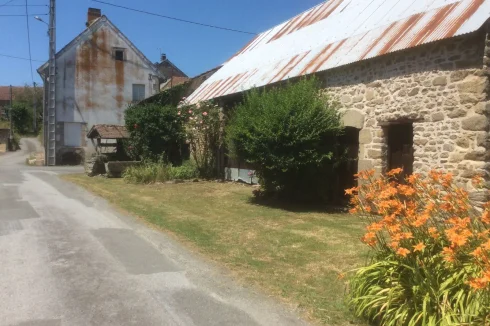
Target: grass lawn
[296,256]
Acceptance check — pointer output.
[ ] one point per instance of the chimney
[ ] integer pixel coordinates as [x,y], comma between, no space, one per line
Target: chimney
[163,57]
[93,14]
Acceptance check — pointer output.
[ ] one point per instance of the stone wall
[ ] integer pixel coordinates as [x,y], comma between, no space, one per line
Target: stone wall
[440,87]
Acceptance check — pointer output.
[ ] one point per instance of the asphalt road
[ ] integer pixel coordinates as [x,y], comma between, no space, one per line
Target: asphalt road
[67,258]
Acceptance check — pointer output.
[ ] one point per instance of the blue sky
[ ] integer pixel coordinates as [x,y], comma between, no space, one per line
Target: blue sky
[194,49]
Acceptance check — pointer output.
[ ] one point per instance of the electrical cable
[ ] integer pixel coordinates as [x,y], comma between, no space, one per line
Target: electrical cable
[29,42]
[6,3]
[20,58]
[23,15]
[24,5]
[177,19]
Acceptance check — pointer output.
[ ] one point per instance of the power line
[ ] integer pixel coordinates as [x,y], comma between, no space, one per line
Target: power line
[6,3]
[20,58]
[23,15]
[174,18]
[24,5]
[29,42]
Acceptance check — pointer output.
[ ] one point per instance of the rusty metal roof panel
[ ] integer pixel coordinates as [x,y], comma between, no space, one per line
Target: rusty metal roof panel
[340,32]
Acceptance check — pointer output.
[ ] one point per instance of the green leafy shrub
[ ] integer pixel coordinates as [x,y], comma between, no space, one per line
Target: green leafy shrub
[147,173]
[289,135]
[152,172]
[188,170]
[21,118]
[156,133]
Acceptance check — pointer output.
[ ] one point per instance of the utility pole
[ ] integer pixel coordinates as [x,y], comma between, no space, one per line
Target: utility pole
[11,133]
[34,109]
[50,142]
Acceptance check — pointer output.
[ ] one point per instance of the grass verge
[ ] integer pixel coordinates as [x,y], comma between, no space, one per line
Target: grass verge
[296,256]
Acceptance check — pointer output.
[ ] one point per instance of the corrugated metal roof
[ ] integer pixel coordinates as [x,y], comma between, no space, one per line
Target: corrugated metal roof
[339,32]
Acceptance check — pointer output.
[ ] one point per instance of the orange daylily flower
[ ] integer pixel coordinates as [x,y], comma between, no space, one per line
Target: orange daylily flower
[394,172]
[394,245]
[403,252]
[351,191]
[369,238]
[433,232]
[478,283]
[412,179]
[407,235]
[447,179]
[485,217]
[486,245]
[478,253]
[448,254]
[406,190]
[375,227]
[477,181]
[421,220]
[419,247]
[394,228]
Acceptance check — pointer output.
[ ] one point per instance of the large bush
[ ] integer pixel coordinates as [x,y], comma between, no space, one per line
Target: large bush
[156,133]
[21,118]
[289,135]
[22,109]
[431,252]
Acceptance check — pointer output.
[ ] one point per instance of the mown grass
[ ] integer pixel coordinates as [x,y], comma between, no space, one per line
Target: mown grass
[296,256]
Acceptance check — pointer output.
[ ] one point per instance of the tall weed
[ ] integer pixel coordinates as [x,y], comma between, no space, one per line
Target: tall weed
[160,172]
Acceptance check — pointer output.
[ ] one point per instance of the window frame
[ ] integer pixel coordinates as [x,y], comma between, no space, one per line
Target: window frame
[139,88]
[115,51]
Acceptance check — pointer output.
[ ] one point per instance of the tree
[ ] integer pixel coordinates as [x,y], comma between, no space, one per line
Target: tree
[156,133]
[23,108]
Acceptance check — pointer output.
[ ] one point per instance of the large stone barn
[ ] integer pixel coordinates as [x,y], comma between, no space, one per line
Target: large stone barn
[411,78]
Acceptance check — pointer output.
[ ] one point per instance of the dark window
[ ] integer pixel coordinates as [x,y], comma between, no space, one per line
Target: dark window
[400,147]
[344,178]
[138,92]
[119,55]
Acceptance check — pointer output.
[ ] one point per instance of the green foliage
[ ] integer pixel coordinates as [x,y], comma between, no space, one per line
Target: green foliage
[203,126]
[159,172]
[146,173]
[22,109]
[156,133]
[188,170]
[170,96]
[289,135]
[21,118]
[392,293]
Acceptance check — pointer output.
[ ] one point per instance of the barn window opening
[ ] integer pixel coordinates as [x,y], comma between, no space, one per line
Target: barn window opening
[119,54]
[400,147]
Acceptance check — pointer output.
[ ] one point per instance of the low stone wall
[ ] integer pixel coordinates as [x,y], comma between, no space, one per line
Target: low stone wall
[441,88]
